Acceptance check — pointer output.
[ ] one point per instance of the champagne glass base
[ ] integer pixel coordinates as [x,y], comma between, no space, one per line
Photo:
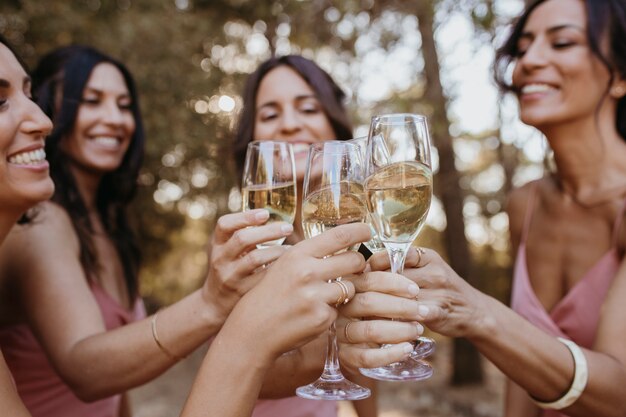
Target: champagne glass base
[407,370]
[339,389]
[424,346]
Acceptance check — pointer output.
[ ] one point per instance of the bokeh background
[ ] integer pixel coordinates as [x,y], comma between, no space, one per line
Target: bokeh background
[190,58]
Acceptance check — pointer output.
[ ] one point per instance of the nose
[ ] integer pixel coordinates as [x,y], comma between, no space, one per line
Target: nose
[290,121]
[111,113]
[35,121]
[535,56]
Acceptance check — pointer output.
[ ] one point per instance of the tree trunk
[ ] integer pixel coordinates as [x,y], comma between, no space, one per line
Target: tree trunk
[467,366]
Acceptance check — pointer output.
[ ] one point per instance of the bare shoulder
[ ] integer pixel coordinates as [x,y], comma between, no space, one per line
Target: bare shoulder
[517,204]
[49,231]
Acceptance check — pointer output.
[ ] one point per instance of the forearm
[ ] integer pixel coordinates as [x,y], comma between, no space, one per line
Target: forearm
[114,361]
[229,379]
[544,367]
[293,369]
[517,403]
[369,406]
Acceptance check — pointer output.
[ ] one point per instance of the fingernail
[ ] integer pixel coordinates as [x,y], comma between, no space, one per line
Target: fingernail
[420,329]
[407,348]
[286,228]
[262,215]
[423,310]
[413,289]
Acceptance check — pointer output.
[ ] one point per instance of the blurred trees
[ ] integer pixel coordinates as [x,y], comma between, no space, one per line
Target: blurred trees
[190,58]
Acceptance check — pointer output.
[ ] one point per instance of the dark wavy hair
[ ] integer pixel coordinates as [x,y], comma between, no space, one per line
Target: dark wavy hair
[329,94]
[606,20]
[58,83]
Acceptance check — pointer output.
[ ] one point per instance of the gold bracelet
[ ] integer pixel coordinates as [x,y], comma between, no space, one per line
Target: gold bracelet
[155,336]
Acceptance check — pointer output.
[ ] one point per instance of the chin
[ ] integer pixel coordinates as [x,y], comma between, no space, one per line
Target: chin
[41,193]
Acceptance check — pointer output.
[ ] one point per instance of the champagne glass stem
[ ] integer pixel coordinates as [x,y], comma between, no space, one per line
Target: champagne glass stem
[397,255]
[332,372]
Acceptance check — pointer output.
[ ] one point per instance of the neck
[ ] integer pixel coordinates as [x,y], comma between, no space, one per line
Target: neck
[8,219]
[589,157]
[87,184]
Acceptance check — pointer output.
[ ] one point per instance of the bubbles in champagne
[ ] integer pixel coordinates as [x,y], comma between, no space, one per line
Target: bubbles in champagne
[337,204]
[398,198]
[279,200]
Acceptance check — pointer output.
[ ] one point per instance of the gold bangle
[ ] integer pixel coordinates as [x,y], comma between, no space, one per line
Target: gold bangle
[155,336]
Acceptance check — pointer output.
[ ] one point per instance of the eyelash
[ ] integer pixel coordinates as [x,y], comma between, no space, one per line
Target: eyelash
[95,101]
[557,45]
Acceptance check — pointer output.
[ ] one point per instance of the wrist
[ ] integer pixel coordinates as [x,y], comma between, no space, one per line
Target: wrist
[244,346]
[484,322]
[209,312]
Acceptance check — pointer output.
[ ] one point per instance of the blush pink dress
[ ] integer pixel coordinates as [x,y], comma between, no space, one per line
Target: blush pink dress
[295,407]
[576,315]
[43,392]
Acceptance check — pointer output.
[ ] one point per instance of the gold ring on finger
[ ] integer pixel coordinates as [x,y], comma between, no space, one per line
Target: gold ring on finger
[345,332]
[420,252]
[344,297]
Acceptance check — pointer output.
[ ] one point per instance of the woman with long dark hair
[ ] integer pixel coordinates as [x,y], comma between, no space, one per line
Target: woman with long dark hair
[290,98]
[66,333]
[562,343]
[75,335]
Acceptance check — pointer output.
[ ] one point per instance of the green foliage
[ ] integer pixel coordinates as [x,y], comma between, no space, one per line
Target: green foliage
[186,55]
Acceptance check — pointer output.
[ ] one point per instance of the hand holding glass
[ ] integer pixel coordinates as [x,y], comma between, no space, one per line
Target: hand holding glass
[398,188]
[269,182]
[333,195]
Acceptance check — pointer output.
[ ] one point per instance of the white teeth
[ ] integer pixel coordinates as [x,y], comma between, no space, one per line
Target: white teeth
[107,141]
[536,88]
[300,147]
[29,158]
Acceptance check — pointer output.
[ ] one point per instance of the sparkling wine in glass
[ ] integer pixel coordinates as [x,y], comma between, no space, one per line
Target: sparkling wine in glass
[269,182]
[374,244]
[398,188]
[333,195]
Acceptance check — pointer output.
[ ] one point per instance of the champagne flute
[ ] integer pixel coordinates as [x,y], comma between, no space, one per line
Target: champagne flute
[398,187]
[269,182]
[333,195]
[374,244]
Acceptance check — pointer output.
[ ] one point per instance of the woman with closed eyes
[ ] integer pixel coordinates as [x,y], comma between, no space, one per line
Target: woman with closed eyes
[562,342]
[290,98]
[75,334]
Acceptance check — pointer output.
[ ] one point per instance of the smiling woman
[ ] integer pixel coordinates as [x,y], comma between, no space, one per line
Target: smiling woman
[24,179]
[290,98]
[74,324]
[562,342]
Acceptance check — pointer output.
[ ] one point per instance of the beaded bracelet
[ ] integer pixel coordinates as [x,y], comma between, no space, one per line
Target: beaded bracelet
[581,374]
